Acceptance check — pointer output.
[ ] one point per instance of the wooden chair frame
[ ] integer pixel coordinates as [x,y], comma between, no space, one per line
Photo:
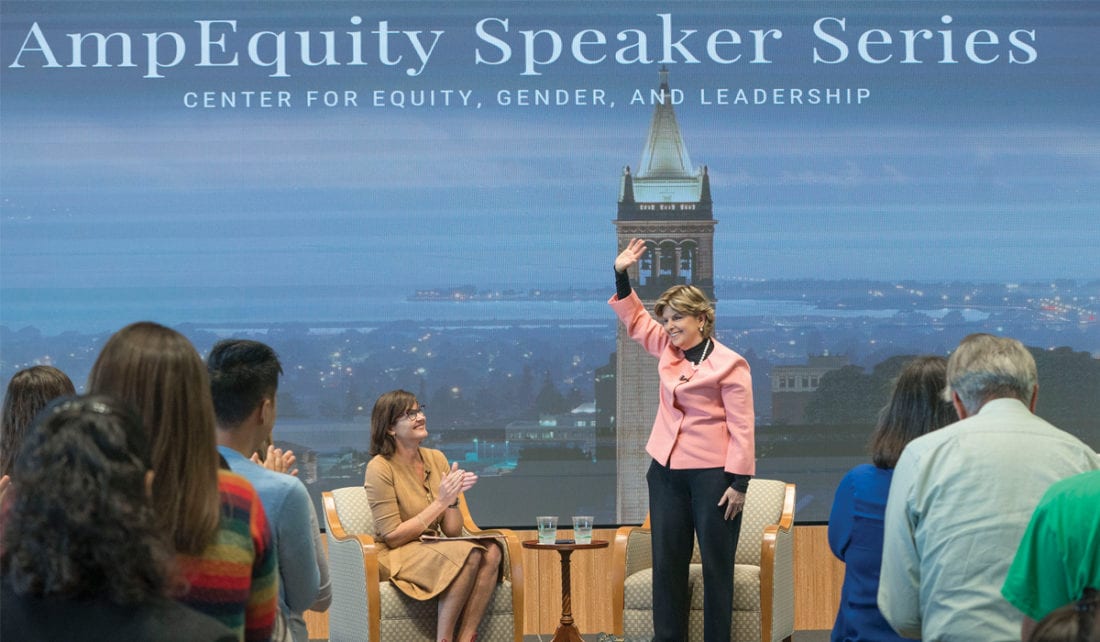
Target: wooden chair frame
[770,541]
[370,561]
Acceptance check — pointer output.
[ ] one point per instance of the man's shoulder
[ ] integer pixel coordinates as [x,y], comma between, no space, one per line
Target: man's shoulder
[1011,419]
[1082,487]
[934,440]
[270,486]
[922,458]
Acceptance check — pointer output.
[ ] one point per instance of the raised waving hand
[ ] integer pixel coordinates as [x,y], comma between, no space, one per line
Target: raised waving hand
[634,250]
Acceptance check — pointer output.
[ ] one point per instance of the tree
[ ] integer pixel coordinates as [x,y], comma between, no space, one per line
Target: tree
[844,396]
[1068,385]
[549,401]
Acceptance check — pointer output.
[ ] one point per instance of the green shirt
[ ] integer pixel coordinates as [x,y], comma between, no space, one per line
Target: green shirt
[1059,555]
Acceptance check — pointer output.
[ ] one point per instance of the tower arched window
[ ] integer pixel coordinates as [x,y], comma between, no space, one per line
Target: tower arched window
[647,272]
[688,255]
[668,267]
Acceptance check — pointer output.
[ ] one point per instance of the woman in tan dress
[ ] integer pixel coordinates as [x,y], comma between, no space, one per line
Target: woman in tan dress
[412,492]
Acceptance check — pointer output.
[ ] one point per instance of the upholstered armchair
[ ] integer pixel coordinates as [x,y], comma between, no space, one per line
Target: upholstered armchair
[365,609]
[763,575]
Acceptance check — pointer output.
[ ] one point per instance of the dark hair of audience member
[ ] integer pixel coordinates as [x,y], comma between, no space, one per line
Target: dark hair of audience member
[159,372]
[1075,622]
[29,391]
[916,407]
[81,522]
[242,373]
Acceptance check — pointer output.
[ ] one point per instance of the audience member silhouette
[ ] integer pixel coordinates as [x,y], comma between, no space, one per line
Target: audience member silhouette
[244,377]
[962,495]
[916,407]
[29,391]
[212,517]
[82,558]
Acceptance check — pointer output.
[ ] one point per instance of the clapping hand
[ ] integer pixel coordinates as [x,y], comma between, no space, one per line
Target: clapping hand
[455,482]
[635,249]
[278,460]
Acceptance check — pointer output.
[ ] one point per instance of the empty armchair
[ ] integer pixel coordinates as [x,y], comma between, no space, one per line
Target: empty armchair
[365,609]
[763,593]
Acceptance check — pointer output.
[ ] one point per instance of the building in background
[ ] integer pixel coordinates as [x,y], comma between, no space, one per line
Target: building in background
[794,386]
[574,429]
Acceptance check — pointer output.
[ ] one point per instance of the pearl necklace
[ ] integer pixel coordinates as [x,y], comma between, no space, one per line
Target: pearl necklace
[695,365]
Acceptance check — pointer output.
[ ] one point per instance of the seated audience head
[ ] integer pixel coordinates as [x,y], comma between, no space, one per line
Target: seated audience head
[157,371]
[389,408]
[916,407]
[81,522]
[29,391]
[986,367]
[1075,622]
[244,377]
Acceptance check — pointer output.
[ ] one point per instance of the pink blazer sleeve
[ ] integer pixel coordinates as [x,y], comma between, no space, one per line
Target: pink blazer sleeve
[639,324]
[740,419]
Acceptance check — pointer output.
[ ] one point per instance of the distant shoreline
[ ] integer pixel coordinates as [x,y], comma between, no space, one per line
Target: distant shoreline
[334,308]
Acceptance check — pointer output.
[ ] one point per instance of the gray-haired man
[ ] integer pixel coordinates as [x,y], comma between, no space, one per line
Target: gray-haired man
[962,496]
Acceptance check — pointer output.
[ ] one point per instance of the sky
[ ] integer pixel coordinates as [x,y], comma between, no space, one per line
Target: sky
[944,171]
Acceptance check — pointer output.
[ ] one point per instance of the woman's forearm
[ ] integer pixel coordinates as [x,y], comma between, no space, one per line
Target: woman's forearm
[452,521]
[412,528]
[622,285]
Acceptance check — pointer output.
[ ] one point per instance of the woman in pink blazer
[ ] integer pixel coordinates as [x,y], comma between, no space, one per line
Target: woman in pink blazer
[702,444]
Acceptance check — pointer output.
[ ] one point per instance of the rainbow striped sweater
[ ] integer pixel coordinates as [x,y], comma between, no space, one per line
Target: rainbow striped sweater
[235,579]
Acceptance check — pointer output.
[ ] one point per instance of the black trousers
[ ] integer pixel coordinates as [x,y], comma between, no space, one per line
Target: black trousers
[683,504]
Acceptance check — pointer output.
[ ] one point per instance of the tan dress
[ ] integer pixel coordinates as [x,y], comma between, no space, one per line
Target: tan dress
[421,570]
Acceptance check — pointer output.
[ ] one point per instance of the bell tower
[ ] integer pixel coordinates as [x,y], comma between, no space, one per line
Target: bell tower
[667,203]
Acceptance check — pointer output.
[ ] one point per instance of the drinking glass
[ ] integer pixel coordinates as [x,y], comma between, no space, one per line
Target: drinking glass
[582,529]
[548,528]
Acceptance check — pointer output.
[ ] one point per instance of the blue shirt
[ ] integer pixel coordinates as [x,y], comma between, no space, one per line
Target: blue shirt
[855,536]
[288,508]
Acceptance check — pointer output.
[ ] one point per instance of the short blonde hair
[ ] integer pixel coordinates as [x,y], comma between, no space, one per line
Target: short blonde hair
[688,300]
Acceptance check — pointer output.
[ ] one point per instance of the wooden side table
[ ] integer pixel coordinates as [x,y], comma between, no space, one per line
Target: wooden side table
[567,631]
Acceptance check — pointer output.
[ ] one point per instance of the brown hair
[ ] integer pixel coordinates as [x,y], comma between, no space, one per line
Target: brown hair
[916,407]
[158,372]
[1075,622]
[690,301]
[29,391]
[387,411]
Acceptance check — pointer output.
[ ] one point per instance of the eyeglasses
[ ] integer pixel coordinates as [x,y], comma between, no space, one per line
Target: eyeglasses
[412,414]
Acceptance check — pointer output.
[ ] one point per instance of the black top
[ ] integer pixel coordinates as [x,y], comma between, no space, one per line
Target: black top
[47,619]
[740,483]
